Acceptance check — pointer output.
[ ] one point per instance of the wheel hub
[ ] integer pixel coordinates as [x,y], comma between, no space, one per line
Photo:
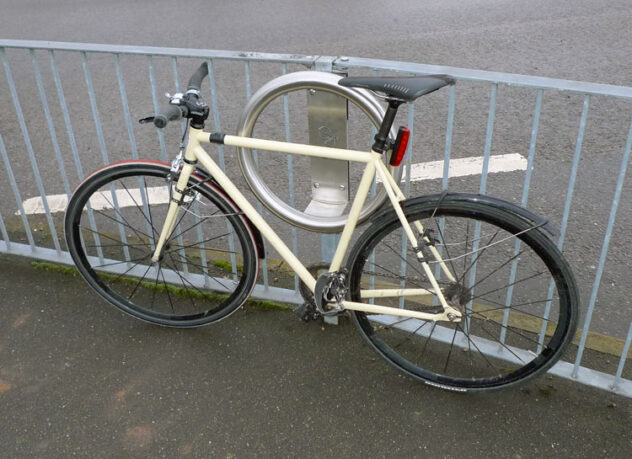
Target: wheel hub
[457,296]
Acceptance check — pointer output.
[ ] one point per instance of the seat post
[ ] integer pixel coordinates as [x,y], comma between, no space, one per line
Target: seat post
[381,137]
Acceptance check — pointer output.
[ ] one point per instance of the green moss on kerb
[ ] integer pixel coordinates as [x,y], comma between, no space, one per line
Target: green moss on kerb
[263,305]
[228,267]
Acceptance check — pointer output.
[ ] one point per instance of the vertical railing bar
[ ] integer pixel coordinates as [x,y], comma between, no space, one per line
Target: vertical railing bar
[491,117]
[5,234]
[264,262]
[196,204]
[604,250]
[154,98]
[73,146]
[176,74]
[525,194]
[575,167]
[373,193]
[29,148]
[93,105]
[448,138]
[622,360]
[488,137]
[532,145]
[124,102]
[201,239]
[290,173]
[220,148]
[16,193]
[102,146]
[132,141]
[49,121]
[176,82]
[567,209]
[161,140]
[215,109]
[409,149]
[373,132]
[66,115]
[446,162]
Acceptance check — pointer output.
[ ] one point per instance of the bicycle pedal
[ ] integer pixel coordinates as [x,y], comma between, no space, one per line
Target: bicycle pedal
[306,312]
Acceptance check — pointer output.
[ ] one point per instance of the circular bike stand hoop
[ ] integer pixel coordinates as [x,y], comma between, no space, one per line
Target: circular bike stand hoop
[307,80]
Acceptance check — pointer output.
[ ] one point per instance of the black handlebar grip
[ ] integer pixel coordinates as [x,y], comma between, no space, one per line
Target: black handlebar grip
[168,113]
[196,79]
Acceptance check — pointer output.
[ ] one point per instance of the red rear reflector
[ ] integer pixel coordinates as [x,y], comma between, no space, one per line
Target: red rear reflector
[399,149]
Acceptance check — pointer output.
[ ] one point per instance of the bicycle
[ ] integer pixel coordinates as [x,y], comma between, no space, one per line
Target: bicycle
[463,292]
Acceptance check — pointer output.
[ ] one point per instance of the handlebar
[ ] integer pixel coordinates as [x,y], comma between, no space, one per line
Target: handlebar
[168,113]
[195,82]
[187,106]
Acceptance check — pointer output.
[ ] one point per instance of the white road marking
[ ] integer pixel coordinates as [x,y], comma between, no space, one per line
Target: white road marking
[103,200]
[459,167]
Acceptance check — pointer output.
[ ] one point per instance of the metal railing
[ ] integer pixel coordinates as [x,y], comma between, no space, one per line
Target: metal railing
[568,145]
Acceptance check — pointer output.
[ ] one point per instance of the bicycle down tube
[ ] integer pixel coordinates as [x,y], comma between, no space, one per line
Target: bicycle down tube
[373,160]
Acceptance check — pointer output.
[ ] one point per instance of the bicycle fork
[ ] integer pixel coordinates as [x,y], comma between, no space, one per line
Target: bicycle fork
[177,198]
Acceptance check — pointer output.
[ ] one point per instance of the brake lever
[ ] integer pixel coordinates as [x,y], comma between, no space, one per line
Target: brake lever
[149,119]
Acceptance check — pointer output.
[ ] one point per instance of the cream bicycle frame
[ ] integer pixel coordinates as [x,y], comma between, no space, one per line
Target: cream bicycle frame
[374,165]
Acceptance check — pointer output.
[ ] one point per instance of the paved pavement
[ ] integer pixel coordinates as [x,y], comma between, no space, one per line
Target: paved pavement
[79,378]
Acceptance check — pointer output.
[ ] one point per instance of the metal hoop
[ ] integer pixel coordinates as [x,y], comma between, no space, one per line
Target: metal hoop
[321,81]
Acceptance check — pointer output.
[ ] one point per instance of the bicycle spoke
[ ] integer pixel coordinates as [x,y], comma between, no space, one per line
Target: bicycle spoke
[476,258]
[91,246]
[164,281]
[445,368]
[502,344]
[506,327]
[202,242]
[121,262]
[100,234]
[477,348]
[512,307]
[139,208]
[184,280]
[509,285]
[423,350]
[202,268]
[397,276]
[139,282]
[122,274]
[414,268]
[497,269]
[124,222]
[190,227]
[410,334]
[446,247]
[184,208]
[188,294]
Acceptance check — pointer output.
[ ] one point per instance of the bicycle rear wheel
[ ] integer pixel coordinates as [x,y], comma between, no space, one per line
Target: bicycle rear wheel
[514,289]
[210,262]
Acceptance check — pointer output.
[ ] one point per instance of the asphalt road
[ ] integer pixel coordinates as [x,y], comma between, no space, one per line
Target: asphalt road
[79,378]
[579,40]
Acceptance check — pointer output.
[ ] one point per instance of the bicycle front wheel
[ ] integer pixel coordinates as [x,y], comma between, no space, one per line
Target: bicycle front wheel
[210,262]
[515,291]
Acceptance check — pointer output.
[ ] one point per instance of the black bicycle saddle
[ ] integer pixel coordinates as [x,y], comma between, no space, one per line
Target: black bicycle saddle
[406,89]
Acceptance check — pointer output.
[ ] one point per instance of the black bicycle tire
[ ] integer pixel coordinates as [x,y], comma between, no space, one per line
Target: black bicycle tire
[112,172]
[536,238]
